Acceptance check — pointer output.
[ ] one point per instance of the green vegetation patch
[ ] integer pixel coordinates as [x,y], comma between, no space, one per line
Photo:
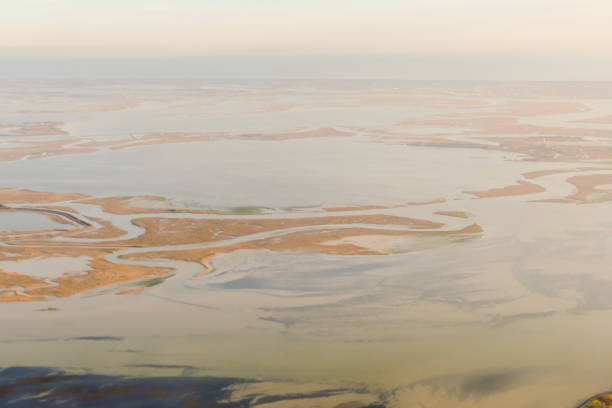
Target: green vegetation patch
[153,282]
[249,210]
[300,207]
[600,197]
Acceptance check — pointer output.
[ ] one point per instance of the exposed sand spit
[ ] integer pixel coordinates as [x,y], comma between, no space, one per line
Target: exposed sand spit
[181,231]
[25,196]
[588,190]
[330,241]
[522,188]
[100,273]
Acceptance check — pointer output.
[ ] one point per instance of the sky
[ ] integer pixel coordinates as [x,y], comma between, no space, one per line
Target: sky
[517,39]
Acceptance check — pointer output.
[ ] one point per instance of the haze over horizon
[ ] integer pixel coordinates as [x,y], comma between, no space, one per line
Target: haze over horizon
[388,39]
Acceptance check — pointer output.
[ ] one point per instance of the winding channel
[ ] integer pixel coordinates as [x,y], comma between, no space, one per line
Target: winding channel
[185,270]
[87,215]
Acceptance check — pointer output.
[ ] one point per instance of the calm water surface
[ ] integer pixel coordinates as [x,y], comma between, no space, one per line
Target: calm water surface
[515,317]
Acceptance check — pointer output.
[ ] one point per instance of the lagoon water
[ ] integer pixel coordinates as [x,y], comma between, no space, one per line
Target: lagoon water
[25,222]
[282,174]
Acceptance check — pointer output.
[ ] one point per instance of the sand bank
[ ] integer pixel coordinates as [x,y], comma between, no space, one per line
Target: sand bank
[522,188]
[101,272]
[588,190]
[182,231]
[25,196]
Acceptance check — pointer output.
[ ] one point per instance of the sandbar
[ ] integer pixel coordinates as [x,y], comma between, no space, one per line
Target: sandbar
[522,188]
[587,187]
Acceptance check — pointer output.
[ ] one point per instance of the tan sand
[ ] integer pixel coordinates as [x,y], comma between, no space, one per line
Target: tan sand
[108,230]
[100,107]
[541,143]
[587,187]
[435,201]
[25,196]
[309,241]
[100,273]
[181,231]
[458,214]
[33,129]
[180,137]
[496,124]
[103,273]
[176,231]
[542,173]
[50,148]
[131,291]
[523,187]
[298,134]
[163,231]
[42,149]
[553,143]
[34,234]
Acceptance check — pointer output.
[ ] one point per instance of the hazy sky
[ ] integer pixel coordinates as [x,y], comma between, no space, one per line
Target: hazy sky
[465,30]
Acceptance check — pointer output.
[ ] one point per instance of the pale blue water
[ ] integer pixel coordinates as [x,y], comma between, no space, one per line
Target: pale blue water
[277,174]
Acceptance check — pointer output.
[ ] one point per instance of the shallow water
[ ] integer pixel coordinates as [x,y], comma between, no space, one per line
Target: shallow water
[277,174]
[513,317]
[24,221]
[47,267]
